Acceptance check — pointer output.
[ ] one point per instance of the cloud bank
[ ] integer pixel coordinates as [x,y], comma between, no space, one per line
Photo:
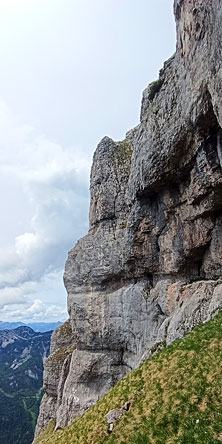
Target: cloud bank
[46,192]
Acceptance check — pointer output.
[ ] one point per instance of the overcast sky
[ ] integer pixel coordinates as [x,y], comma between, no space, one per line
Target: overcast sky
[71,72]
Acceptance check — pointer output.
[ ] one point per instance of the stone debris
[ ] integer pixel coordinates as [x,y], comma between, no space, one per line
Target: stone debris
[150,268]
[126,406]
[113,415]
[111,426]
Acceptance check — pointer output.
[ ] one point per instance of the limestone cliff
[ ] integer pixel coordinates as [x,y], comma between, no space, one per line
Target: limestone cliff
[150,267]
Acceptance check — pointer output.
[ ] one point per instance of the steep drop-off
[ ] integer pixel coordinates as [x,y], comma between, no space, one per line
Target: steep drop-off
[150,267]
[22,353]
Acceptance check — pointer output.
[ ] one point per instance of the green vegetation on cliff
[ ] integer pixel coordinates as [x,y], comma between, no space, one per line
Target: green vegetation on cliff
[21,369]
[18,415]
[175,398]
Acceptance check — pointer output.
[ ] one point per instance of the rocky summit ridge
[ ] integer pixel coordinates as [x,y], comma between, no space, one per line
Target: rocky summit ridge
[150,267]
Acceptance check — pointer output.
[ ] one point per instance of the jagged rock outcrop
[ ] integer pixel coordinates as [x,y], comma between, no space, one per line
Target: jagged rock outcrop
[150,267]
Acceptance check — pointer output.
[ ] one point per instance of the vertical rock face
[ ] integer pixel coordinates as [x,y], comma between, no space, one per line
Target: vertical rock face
[150,267]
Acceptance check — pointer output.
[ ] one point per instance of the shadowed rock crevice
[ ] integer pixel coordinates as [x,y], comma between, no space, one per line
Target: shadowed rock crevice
[150,267]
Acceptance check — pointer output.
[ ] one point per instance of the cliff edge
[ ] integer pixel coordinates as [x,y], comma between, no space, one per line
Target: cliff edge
[150,267]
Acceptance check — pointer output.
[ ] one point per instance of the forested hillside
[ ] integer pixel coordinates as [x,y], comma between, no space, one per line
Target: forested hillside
[22,352]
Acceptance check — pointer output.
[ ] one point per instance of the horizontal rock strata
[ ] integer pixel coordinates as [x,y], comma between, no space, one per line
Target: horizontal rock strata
[150,267]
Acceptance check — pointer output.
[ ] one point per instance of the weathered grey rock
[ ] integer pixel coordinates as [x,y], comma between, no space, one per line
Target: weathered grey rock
[91,374]
[113,415]
[150,268]
[62,337]
[197,303]
[55,373]
[46,413]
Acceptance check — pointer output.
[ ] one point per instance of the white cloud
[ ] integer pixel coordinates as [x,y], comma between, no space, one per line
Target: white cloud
[53,184]
[48,78]
[35,300]
[36,308]
[10,295]
[25,243]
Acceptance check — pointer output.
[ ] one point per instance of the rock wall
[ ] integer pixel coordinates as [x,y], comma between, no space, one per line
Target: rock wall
[150,267]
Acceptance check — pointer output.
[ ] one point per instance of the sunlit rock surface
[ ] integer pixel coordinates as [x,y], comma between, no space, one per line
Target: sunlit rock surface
[150,267]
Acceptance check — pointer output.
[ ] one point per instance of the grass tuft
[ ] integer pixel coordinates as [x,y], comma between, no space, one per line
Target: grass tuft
[175,397]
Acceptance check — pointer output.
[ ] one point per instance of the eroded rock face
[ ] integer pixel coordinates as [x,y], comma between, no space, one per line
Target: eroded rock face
[150,267]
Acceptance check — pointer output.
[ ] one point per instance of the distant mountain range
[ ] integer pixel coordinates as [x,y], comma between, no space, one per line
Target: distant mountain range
[36,326]
[22,352]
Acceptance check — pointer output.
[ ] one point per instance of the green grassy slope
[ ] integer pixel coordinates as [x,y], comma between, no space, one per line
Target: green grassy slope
[176,398]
